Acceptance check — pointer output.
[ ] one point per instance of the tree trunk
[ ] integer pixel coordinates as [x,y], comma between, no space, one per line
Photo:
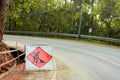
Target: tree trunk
[4,5]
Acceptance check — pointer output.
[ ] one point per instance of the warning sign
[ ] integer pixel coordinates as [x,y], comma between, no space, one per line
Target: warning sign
[39,57]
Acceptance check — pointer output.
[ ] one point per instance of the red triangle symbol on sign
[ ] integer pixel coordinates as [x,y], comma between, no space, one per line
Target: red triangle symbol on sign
[39,57]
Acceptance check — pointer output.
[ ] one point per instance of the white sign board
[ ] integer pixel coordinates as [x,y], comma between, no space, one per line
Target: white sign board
[39,57]
[90,30]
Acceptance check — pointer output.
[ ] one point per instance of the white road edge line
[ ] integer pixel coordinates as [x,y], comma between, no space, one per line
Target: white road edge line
[108,60]
[100,57]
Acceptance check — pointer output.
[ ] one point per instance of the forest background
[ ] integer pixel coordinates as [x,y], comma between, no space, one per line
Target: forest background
[99,18]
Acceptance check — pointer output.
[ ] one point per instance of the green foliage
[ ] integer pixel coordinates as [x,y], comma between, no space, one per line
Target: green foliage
[63,16]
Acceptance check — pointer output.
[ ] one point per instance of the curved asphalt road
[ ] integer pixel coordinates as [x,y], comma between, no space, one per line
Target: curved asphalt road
[90,62]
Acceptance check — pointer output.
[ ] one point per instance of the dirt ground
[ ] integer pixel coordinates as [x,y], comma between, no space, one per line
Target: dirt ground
[61,72]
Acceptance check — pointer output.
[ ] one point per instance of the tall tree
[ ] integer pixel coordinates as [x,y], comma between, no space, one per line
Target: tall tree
[108,14]
[4,5]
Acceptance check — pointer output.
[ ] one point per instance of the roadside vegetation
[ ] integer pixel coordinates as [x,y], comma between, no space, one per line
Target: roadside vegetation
[99,18]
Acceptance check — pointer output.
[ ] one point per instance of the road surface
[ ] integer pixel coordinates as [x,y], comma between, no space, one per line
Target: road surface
[90,62]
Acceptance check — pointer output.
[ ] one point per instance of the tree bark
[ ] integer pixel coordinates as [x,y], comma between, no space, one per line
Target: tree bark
[4,5]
